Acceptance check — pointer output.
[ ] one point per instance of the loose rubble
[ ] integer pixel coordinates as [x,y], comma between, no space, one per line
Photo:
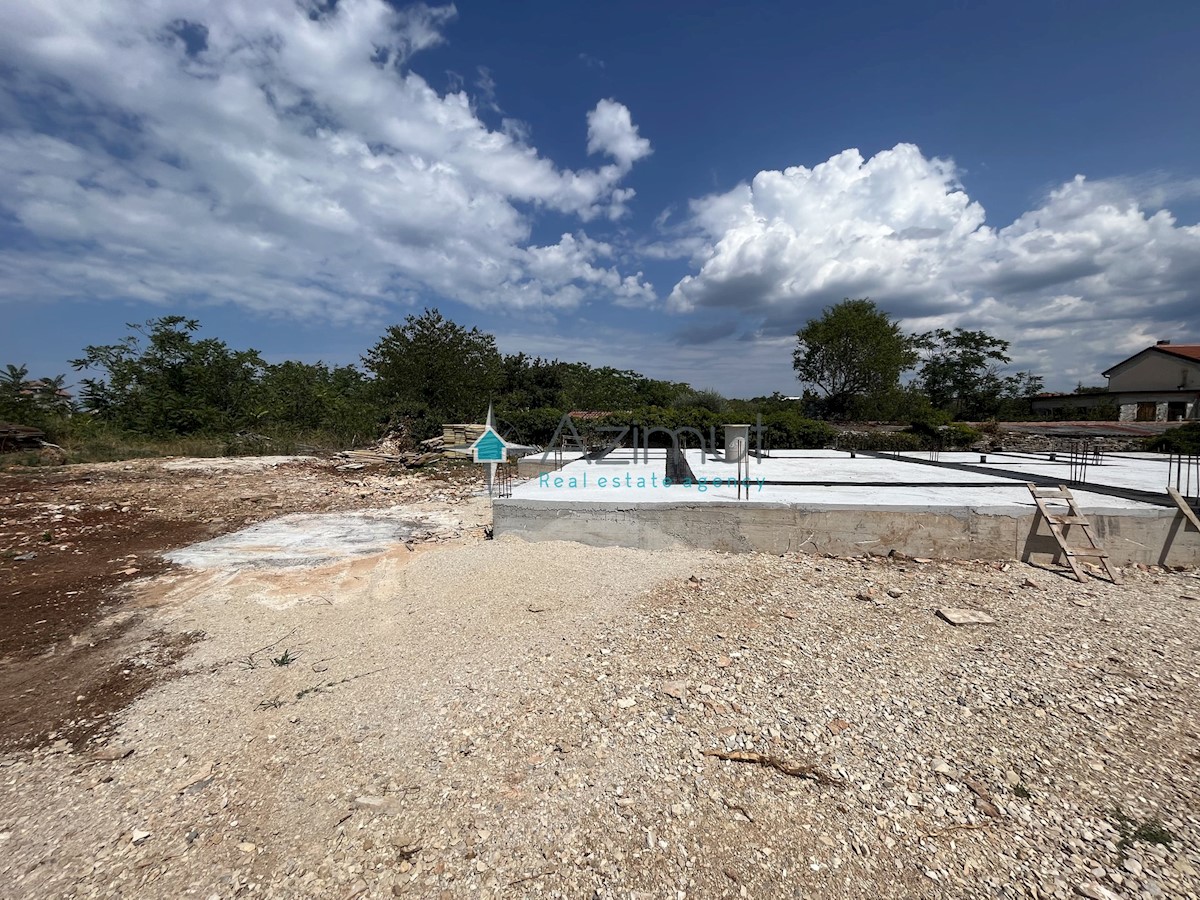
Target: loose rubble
[666,724]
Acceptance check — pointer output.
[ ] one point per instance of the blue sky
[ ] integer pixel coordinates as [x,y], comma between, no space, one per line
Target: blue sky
[673,188]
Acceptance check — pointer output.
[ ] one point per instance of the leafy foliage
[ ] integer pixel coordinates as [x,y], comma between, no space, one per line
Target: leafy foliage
[879,441]
[162,381]
[854,350]
[961,373]
[1184,439]
[435,369]
[163,385]
[854,355]
[37,402]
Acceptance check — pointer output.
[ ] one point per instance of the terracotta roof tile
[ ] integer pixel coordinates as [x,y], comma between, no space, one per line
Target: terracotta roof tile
[1187,351]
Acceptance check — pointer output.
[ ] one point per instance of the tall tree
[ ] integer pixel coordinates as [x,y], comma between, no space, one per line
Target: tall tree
[961,373]
[434,367]
[853,351]
[160,380]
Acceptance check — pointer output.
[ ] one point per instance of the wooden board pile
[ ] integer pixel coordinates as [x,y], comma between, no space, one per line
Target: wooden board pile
[411,459]
[453,435]
[19,437]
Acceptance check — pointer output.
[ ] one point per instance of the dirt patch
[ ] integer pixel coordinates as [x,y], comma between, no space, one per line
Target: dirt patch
[72,541]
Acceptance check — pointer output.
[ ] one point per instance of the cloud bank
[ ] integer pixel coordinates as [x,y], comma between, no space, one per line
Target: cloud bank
[1086,276]
[283,157]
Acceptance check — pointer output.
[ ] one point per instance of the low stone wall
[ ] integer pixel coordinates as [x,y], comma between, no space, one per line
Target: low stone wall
[1153,537]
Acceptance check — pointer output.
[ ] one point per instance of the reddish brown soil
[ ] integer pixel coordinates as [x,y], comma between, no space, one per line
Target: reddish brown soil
[52,649]
[72,650]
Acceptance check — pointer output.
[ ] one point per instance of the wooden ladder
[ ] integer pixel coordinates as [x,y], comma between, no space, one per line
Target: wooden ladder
[1060,522]
[1184,507]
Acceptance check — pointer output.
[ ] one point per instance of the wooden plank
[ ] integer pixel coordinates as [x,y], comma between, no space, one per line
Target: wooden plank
[1184,507]
[1086,551]
[1068,520]
[1042,493]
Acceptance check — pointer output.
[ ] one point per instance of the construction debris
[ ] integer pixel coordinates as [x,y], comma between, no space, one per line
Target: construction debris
[20,437]
[796,770]
[411,459]
[453,435]
[957,616]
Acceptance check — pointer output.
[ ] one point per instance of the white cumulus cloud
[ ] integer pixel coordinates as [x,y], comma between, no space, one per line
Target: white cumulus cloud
[611,130]
[281,156]
[1085,277]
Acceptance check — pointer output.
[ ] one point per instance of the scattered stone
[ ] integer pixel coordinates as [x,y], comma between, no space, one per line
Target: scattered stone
[112,753]
[676,689]
[1095,891]
[382,805]
[987,808]
[957,616]
[139,837]
[837,726]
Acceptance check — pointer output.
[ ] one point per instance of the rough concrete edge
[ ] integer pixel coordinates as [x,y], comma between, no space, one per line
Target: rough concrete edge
[945,510]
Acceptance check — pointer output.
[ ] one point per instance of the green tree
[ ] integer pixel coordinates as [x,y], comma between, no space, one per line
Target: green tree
[532,383]
[709,398]
[434,369]
[161,381]
[316,397]
[961,373]
[15,404]
[853,351]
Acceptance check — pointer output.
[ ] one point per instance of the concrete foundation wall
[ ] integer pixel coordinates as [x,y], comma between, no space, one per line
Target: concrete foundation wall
[1159,537]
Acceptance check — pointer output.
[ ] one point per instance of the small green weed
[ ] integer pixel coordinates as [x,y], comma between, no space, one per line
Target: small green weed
[1151,831]
[286,658]
[315,689]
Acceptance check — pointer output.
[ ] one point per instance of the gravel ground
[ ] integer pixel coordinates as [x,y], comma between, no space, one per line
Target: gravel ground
[510,719]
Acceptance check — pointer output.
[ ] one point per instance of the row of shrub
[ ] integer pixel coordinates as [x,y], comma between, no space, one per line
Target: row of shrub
[783,429]
[1184,439]
[539,427]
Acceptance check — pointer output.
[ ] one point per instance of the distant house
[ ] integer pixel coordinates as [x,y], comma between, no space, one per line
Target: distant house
[1159,384]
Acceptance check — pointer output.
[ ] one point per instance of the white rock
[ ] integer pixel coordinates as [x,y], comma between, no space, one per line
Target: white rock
[957,616]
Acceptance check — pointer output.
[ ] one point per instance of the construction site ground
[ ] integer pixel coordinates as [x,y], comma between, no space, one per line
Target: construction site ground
[341,688]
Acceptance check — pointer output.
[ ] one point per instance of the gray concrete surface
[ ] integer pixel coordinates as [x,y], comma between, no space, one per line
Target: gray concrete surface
[1147,535]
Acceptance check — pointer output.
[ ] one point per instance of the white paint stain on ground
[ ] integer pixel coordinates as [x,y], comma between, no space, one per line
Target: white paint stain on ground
[302,539]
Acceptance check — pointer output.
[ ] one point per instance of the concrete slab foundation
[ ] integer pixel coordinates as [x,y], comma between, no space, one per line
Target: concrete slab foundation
[824,501]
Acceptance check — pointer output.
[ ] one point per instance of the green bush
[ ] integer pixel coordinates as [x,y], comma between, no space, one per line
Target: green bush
[791,431]
[879,441]
[529,426]
[954,436]
[783,428]
[1184,439]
